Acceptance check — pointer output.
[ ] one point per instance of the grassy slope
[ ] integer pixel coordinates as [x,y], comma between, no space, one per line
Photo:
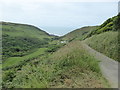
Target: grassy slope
[23,30]
[14,61]
[22,39]
[65,68]
[108,25]
[97,37]
[106,43]
[105,38]
[78,33]
[70,66]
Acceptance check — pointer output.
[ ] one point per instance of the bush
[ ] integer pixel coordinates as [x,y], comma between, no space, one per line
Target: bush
[20,46]
[53,48]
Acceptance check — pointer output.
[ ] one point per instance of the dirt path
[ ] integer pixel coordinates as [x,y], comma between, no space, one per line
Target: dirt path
[109,67]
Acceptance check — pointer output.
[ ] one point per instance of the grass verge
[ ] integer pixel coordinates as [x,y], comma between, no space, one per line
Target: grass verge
[106,43]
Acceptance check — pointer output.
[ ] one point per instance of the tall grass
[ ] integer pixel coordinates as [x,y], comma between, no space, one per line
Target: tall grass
[74,54]
[70,65]
[106,43]
[73,61]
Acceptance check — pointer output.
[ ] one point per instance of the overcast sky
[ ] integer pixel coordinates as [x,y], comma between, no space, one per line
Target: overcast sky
[58,16]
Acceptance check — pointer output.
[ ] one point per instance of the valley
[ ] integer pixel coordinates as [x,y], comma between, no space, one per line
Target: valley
[32,58]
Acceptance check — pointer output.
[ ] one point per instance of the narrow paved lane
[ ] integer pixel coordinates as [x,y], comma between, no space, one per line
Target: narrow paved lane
[109,67]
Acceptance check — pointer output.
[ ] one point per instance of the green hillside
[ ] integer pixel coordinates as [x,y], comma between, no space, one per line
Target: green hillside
[111,24]
[78,33]
[21,39]
[34,59]
[106,43]
[69,67]
[105,38]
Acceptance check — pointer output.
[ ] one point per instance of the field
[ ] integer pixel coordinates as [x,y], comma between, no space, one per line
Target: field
[14,61]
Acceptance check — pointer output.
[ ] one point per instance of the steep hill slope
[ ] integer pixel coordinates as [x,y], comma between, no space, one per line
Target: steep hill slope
[105,39]
[78,33]
[106,43]
[109,25]
[85,32]
[21,39]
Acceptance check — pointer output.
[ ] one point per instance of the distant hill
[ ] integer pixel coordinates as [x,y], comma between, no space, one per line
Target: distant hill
[78,33]
[21,39]
[23,29]
[85,32]
[103,38]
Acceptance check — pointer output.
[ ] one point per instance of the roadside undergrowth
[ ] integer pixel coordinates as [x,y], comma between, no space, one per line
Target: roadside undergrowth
[69,67]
